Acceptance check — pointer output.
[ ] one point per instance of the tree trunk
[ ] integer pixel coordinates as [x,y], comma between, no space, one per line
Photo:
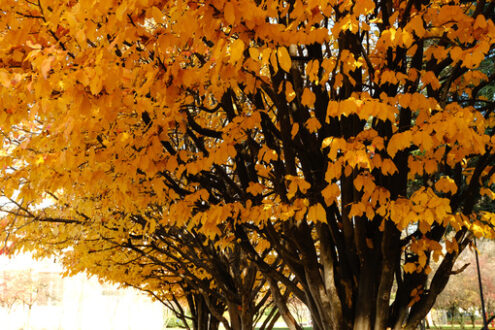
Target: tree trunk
[214,324]
[203,318]
[240,318]
[281,303]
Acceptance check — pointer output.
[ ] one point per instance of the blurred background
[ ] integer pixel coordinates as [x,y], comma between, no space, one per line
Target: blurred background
[36,295]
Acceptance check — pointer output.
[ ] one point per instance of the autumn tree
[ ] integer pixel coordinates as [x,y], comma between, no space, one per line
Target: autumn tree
[195,278]
[21,287]
[348,137]
[26,289]
[463,289]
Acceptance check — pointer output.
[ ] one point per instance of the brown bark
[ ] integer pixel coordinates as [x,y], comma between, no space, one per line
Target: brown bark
[281,303]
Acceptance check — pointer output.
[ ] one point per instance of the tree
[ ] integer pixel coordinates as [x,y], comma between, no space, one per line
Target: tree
[463,290]
[25,288]
[347,139]
[461,293]
[173,265]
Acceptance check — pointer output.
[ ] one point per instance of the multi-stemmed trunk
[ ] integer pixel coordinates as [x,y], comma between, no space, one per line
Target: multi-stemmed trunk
[363,288]
[203,318]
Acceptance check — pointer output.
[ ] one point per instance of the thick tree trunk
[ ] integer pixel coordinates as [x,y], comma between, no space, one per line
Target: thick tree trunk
[202,316]
[240,319]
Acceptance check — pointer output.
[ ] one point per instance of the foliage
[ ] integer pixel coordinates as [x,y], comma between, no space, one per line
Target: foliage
[462,291]
[231,149]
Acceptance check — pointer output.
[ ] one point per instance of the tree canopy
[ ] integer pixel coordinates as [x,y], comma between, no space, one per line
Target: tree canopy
[328,150]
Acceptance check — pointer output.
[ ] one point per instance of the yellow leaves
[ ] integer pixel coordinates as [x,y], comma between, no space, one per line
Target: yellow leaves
[477,229]
[451,246]
[5,79]
[339,80]
[487,192]
[96,85]
[474,77]
[308,98]
[343,108]
[266,154]
[429,79]
[364,7]
[430,166]
[379,200]
[236,50]
[424,140]
[388,76]
[328,65]
[254,53]
[156,14]
[399,141]
[437,52]
[454,220]
[359,182]
[424,207]
[255,188]
[350,106]
[336,144]
[229,13]
[388,167]
[405,39]
[456,53]
[364,108]
[312,69]
[273,60]
[313,125]
[488,221]
[334,171]
[262,245]
[480,22]
[331,193]
[349,63]
[387,39]
[428,217]
[294,130]
[290,94]
[127,161]
[416,25]
[171,164]
[409,267]
[39,160]
[346,23]
[420,247]
[366,183]
[473,59]
[446,185]
[284,59]
[295,184]
[333,110]
[416,293]
[121,10]
[357,209]
[46,66]
[429,207]
[316,213]
[299,208]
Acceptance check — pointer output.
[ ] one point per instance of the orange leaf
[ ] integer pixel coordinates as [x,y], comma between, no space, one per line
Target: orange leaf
[229,13]
[284,59]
